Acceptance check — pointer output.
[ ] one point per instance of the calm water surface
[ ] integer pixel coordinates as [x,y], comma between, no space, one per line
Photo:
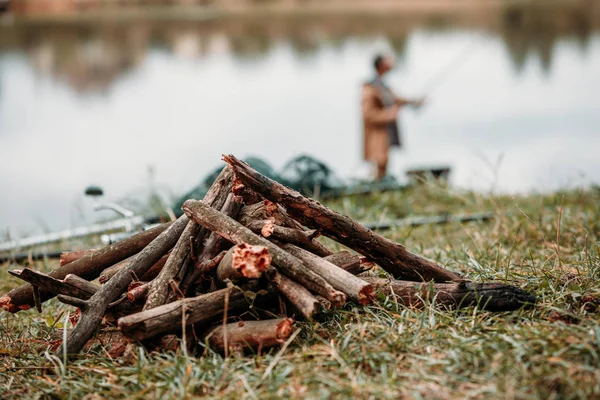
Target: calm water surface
[81,107]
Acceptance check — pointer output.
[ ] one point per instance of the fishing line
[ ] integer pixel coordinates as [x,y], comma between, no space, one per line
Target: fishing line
[442,75]
[461,58]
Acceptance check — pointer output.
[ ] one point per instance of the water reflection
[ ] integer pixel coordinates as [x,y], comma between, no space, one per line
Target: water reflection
[89,57]
[99,103]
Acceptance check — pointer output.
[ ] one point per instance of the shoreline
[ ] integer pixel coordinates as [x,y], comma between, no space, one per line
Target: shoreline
[73,11]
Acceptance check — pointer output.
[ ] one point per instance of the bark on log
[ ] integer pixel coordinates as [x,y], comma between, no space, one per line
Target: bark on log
[243,261]
[268,229]
[98,303]
[216,197]
[87,267]
[215,243]
[488,296]
[159,287]
[237,233]
[298,295]
[138,293]
[349,262]
[170,317]
[267,210]
[257,335]
[147,277]
[340,279]
[391,256]
[67,257]
[70,286]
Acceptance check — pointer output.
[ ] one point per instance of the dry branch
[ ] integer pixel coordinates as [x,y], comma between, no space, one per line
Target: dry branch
[70,286]
[298,295]
[88,267]
[214,244]
[243,261]
[67,257]
[98,303]
[391,256]
[159,287]
[250,334]
[148,275]
[268,229]
[138,292]
[237,233]
[340,279]
[169,317]
[488,296]
[348,262]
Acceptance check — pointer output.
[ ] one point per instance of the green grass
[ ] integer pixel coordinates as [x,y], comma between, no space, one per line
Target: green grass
[384,350]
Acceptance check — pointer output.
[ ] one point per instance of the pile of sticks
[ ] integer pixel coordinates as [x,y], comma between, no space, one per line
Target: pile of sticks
[237,268]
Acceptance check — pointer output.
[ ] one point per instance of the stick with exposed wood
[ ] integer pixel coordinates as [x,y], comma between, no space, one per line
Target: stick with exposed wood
[212,247]
[340,279]
[298,295]
[159,287]
[148,276]
[349,262]
[92,314]
[87,267]
[391,256]
[243,261]
[268,229]
[192,310]
[237,233]
[250,334]
[67,257]
[488,296]
[71,285]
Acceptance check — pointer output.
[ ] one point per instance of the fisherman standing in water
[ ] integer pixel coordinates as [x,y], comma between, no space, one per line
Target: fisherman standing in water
[380,107]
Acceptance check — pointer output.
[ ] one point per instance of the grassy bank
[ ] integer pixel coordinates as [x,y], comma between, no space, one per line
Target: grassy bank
[548,244]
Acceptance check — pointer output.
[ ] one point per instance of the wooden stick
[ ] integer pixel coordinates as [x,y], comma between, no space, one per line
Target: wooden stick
[69,286]
[81,283]
[267,228]
[488,296]
[67,257]
[340,279]
[214,244]
[98,303]
[88,267]
[138,293]
[298,295]
[243,261]
[168,317]
[250,334]
[391,256]
[349,262]
[73,301]
[237,233]
[159,287]
[267,210]
[147,277]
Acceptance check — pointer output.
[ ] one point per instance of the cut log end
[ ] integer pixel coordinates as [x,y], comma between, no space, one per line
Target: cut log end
[366,295]
[250,260]
[284,329]
[7,305]
[337,298]
[267,229]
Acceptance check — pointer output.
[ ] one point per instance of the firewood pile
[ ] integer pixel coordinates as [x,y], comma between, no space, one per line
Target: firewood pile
[236,269]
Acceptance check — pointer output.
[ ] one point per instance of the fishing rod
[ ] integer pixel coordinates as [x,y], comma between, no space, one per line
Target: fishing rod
[442,75]
[461,58]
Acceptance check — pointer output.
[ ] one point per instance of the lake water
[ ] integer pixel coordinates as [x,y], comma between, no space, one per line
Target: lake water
[130,106]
